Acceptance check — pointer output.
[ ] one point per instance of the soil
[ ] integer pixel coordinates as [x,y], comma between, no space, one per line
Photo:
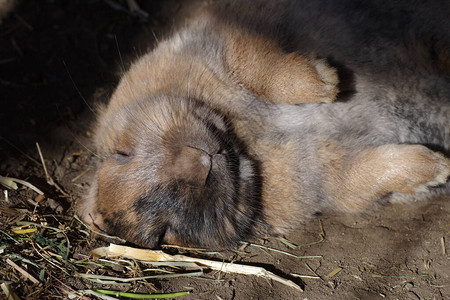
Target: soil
[59,58]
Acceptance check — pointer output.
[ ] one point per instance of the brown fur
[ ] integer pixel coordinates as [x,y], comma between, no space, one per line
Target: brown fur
[275,76]
[199,147]
[252,64]
[280,188]
[356,181]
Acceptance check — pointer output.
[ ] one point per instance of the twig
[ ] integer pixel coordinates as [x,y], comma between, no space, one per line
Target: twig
[47,258]
[10,237]
[49,179]
[49,227]
[321,236]
[312,271]
[47,176]
[398,276]
[63,284]
[22,271]
[281,251]
[156,255]
[287,243]
[9,293]
[183,248]
[305,276]
[80,175]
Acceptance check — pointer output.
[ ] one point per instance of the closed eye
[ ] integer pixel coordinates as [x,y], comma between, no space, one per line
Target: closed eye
[122,156]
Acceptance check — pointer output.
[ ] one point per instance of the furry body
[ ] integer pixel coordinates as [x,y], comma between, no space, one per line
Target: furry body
[222,130]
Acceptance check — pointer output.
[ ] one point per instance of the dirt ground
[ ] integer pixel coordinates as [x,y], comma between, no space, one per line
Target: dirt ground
[57,59]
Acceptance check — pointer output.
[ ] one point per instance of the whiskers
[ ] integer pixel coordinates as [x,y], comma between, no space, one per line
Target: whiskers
[74,136]
[76,88]
[120,54]
[20,151]
[254,219]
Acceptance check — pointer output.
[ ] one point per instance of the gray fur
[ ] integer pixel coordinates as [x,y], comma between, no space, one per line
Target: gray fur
[393,61]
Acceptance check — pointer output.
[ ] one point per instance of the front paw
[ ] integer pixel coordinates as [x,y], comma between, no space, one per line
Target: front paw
[327,89]
[297,80]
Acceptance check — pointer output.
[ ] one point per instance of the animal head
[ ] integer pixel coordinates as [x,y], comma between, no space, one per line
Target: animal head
[172,172]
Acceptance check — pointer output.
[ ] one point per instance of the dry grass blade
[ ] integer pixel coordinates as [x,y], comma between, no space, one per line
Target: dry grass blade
[183,248]
[304,276]
[118,279]
[103,294]
[287,243]
[47,176]
[10,211]
[97,295]
[9,293]
[141,296]
[173,264]
[334,272]
[51,228]
[23,182]
[444,250]
[8,183]
[399,276]
[157,255]
[281,251]
[22,271]
[312,271]
[49,179]
[80,175]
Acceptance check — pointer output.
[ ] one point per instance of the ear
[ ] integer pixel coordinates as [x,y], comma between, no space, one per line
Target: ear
[260,65]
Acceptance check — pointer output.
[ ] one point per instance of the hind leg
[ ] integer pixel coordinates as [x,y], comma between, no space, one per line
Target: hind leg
[357,182]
